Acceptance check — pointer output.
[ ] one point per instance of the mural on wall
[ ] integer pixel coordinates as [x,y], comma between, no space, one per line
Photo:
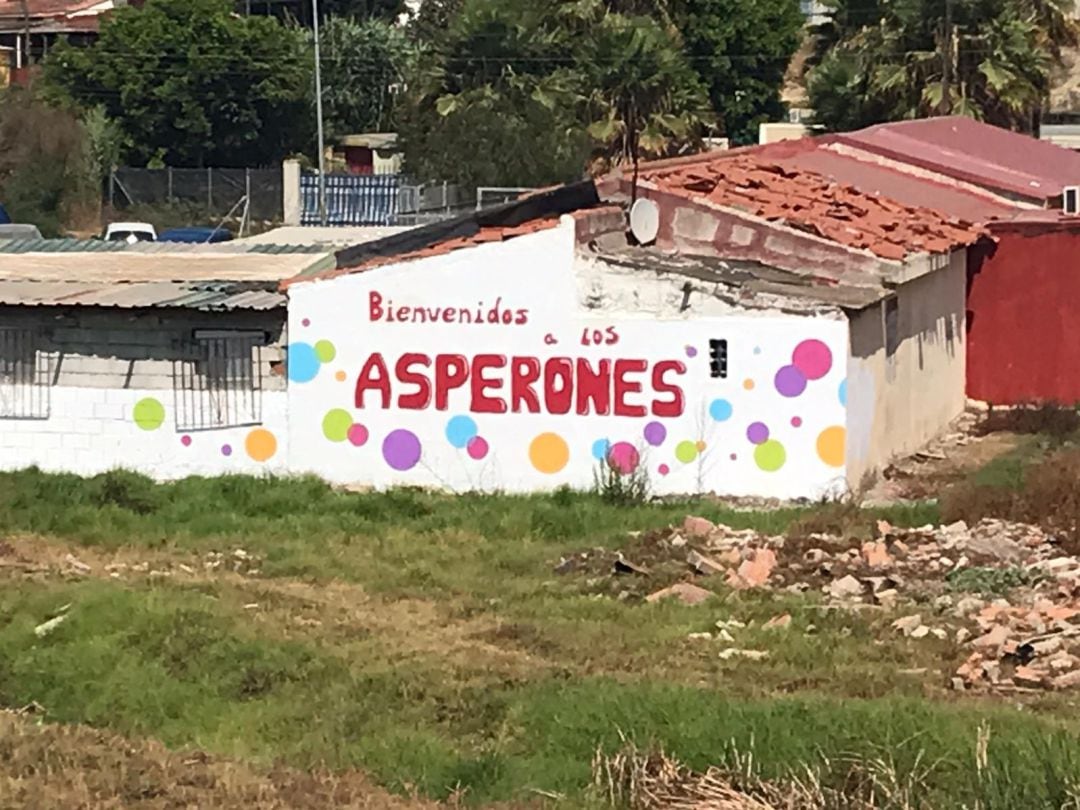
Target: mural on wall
[478,370]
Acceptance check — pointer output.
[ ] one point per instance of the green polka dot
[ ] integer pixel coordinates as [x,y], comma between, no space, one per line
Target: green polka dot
[770,455]
[149,413]
[336,424]
[686,451]
[325,351]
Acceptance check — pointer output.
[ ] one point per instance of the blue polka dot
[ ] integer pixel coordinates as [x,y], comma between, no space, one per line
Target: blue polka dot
[460,430]
[720,410]
[843,393]
[302,362]
[600,449]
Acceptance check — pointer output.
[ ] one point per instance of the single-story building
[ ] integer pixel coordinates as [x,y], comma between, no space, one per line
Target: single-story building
[162,360]
[1023,338]
[522,355]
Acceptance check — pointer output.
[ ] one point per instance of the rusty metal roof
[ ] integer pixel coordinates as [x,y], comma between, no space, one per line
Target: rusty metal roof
[128,266]
[206,296]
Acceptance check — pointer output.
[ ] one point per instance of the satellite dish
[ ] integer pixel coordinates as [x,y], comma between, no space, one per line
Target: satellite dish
[644,220]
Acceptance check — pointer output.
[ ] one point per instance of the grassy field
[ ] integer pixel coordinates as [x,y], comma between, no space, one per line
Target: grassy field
[426,642]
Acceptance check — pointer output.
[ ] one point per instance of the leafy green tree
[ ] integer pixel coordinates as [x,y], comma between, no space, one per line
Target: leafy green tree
[193,84]
[556,83]
[385,10]
[43,176]
[363,66]
[895,59]
[741,50]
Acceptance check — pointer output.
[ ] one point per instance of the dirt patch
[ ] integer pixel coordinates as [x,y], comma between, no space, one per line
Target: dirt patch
[78,767]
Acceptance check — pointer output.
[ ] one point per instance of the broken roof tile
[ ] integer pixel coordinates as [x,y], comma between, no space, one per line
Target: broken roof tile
[809,202]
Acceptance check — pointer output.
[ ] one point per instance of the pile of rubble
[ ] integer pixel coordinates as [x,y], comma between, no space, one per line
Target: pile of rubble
[953,573]
[237,561]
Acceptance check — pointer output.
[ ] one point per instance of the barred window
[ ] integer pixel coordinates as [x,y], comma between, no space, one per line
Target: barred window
[221,384]
[25,373]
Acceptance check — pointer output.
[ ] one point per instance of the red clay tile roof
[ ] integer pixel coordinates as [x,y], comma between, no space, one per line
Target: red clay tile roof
[484,235]
[810,202]
[41,9]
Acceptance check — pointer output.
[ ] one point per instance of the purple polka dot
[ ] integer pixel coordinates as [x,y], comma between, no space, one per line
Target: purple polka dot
[226,449]
[757,433]
[790,382]
[401,449]
[655,433]
[186,441]
[691,351]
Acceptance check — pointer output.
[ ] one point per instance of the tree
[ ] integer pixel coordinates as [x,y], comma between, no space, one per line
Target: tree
[384,10]
[193,84]
[554,83]
[363,65]
[741,50]
[896,59]
[45,176]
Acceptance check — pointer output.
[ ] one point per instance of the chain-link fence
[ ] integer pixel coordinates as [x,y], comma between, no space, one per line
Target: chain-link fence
[216,192]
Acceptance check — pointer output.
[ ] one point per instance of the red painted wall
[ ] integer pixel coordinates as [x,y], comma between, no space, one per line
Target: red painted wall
[1023,316]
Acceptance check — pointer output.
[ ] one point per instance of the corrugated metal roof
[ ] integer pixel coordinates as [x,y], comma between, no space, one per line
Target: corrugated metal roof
[128,266]
[177,248]
[60,246]
[207,296]
[979,153]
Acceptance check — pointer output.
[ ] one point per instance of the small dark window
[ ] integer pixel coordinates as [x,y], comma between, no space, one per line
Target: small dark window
[718,358]
[892,326]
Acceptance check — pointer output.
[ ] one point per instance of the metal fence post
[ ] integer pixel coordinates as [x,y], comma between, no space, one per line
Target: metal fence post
[247,195]
[168,175]
[209,191]
[112,187]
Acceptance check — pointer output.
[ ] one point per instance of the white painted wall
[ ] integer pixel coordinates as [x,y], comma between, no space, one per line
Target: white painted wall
[92,430]
[533,277]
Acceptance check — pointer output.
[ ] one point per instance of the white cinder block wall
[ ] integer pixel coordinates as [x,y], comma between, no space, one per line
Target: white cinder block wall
[112,378]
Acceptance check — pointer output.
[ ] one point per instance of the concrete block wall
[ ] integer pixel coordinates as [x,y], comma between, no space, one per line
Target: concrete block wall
[112,398]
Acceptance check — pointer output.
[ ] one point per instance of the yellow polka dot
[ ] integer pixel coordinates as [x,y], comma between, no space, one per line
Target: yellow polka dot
[549,453]
[748,384]
[340,376]
[830,445]
[260,444]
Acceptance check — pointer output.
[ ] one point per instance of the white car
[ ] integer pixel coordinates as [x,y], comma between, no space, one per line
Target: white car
[130,232]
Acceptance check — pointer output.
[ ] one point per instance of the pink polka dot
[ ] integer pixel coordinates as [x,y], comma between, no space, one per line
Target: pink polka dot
[186,441]
[477,447]
[796,421]
[734,456]
[623,457]
[357,435]
[812,358]
[663,469]
[305,322]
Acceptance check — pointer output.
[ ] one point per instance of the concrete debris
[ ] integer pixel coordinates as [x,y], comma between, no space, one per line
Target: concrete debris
[846,588]
[782,622]
[76,564]
[685,592]
[734,652]
[698,527]
[908,625]
[47,627]
[625,566]
[703,565]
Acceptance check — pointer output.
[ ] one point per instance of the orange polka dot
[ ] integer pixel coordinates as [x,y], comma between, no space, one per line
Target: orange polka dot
[830,446]
[260,444]
[340,376]
[701,447]
[748,384]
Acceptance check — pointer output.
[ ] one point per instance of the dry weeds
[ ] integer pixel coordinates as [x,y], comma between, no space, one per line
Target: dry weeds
[79,768]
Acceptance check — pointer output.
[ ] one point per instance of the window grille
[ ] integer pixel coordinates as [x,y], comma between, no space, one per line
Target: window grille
[221,384]
[25,375]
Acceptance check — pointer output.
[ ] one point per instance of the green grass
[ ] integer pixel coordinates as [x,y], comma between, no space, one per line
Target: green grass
[453,655]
